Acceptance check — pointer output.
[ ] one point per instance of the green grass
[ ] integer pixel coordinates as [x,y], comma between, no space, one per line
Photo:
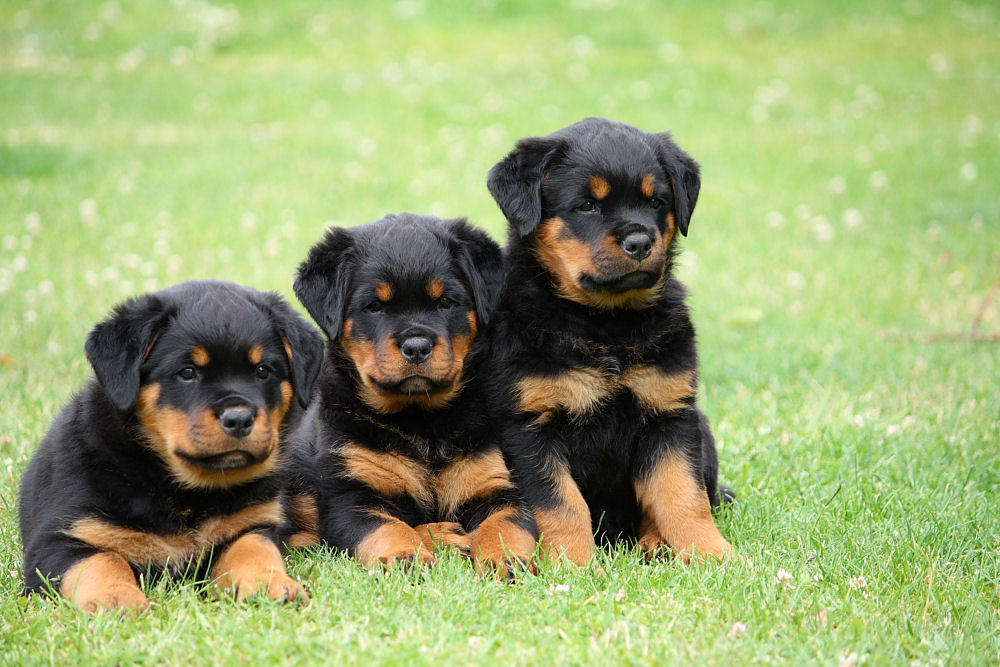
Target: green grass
[850,154]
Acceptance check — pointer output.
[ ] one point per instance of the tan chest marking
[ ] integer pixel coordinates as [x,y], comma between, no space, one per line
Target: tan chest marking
[141,548]
[579,391]
[471,477]
[389,474]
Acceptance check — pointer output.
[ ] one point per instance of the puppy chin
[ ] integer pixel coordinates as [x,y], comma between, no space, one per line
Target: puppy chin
[619,284]
[415,385]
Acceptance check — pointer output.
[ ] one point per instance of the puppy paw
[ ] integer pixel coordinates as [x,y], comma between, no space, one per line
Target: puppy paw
[443,534]
[126,599]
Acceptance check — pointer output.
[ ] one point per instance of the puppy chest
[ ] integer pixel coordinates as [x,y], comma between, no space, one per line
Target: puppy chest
[579,393]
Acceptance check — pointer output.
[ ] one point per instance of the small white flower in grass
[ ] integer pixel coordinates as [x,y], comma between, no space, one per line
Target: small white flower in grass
[30,316]
[46,288]
[852,218]
[737,630]
[955,279]
[863,154]
[796,281]
[88,211]
[19,264]
[34,223]
[670,52]
[822,229]
[859,421]
[837,185]
[785,579]
[940,64]
[640,90]
[908,421]
[620,595]
[581,45]
[858,582]
[969,171]
[848,660]
[878,181]
[803,212]
[10,242]
[475,642]
[774,219]
[558,589]
[758,115]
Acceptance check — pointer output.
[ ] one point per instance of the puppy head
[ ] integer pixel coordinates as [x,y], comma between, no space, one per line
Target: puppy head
[210,370]
[599,204]
[403,299]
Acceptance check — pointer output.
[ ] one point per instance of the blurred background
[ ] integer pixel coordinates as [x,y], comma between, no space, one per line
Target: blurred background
[845,242]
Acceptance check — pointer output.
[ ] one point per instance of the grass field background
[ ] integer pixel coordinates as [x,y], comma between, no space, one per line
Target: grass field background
[849,216]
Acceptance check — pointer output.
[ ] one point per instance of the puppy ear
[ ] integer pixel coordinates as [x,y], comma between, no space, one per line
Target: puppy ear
[303,345]
[516,181]
[481,262]
[324,278]
[684,177]
[117,346]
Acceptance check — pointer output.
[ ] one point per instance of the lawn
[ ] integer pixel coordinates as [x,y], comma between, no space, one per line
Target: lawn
[844,245]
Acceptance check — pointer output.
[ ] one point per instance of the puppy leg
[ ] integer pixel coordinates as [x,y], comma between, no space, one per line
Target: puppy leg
[392,541]
[563,518]
[443,534]
[504,542]
[253,564]
[103,581]
[677,511]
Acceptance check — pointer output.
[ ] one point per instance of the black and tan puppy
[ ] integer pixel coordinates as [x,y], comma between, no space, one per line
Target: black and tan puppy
[169,461]
[594,349]
[398,452]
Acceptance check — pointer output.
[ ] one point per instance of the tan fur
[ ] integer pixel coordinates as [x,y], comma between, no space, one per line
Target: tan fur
[435,288]
[389,474]
[256,354]
[499,545]
[648,185]
[677,505]
[384,291]
[170,432]
[200,356]
[142,548]
[471,477]
[599,187]
[441,535]
[253,564]
[392,542]
[305,514]
[659,392]
[385,364]
[103,581]
[568,260]
[566,529]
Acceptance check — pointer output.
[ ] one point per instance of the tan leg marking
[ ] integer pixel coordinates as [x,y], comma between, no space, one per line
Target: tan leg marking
[253,564]
[441,535]
[500,546]
[393,542]
[103,581]
[566,529]
[676,504]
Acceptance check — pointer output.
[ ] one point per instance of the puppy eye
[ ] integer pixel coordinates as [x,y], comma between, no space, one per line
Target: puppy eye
[187,374]
[655,202]
[263,371]
[374,307]
[587,206]
[445,303]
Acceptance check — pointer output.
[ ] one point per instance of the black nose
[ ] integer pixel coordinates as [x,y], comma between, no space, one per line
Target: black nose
[237,421]
[416,349]
[637,246]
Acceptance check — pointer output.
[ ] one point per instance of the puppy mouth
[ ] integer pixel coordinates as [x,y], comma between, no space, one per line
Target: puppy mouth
[619,284]
[234,459]
[413,385]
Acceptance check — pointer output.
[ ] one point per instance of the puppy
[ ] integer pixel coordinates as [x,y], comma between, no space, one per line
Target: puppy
[169,461]
[398,454]
[594,349]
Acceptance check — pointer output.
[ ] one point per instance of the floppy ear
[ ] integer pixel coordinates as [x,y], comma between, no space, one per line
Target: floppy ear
[324,278]
[516,181]
[303,345]
[684,177]
[117,346]
[480,260]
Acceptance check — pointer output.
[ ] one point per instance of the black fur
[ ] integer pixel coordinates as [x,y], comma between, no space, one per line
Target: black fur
[542,333]
[444,420]
[98,460]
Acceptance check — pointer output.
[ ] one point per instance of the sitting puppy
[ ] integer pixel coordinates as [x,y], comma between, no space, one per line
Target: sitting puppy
[595,347]
[169,460]
[397,453]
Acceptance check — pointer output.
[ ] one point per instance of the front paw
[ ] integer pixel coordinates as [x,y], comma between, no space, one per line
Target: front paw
[277,586]
[443,534]
[126,599]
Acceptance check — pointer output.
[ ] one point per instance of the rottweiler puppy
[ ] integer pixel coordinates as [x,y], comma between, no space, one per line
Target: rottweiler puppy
[169,461]
[398,454]
[594,350]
